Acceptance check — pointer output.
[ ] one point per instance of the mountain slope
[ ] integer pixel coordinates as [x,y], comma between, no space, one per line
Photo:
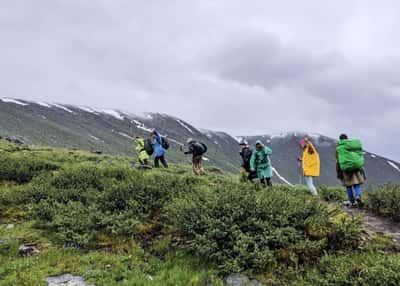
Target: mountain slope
[112,131]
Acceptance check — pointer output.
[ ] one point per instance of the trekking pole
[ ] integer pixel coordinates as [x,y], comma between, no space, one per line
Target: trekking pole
[300,171]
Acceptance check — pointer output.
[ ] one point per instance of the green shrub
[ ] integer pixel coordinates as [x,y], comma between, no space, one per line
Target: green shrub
[112,199]
[358,270]
[332,194]
[385,201]
[21,168]
[239,228]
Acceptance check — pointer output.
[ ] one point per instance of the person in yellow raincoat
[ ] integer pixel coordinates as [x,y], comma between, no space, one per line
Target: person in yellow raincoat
[141,151]
[310,163]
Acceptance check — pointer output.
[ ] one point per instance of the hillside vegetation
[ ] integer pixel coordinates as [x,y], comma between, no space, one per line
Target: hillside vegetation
[99,217]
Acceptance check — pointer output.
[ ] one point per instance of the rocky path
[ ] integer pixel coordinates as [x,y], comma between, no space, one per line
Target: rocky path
[377,224]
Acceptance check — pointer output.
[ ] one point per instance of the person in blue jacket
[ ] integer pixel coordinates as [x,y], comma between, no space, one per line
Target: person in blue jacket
[159,151]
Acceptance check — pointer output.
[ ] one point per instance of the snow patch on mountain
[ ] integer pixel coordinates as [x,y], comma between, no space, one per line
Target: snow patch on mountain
[11,100]
[94,137]
[373,156]
[44,104]
[62,107]
[185,126]
[394,165]
[281,135]
[141,125]
[283,179]
[87,109]
[125,135]
[113,113]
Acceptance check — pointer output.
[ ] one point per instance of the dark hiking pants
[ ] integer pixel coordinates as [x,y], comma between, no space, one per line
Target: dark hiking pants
[157,162]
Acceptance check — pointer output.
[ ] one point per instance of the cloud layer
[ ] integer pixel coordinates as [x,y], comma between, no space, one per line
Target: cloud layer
[247,68]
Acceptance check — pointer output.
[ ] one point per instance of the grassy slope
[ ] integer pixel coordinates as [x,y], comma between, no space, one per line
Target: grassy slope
[153,257]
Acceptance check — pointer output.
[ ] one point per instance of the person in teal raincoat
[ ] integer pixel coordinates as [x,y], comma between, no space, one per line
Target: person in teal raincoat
[261,163]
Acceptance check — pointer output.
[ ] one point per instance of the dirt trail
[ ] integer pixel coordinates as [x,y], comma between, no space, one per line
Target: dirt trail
[376,224]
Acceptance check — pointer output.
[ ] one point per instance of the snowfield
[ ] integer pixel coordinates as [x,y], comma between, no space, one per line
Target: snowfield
[10,100]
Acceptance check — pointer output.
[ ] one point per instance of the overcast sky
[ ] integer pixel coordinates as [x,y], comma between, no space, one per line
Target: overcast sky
[245,67]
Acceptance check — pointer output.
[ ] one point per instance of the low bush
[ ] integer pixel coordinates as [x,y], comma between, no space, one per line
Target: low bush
[385,201]
[78,203]
[333,194]
[239,228]
[358,270]
[21,168]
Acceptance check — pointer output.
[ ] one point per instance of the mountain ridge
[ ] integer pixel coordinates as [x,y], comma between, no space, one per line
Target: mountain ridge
[112,131]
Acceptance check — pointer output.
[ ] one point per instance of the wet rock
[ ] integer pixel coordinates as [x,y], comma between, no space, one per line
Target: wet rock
[149,277]
[237,280]
[241,280]
[10,226]
[28,250]
[67,280]
[15,140]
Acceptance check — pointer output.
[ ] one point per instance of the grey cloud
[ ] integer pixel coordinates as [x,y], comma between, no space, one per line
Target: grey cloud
[252,67]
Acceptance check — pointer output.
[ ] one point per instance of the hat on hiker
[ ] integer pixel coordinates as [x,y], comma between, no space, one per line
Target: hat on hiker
[243,142]
[258,142]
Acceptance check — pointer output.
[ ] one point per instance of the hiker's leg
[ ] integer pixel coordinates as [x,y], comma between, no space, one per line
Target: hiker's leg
[357,190]
[310,185]
[269,182]
[201,167]
[195,165]
[263,182]
[157,162]
[141,162]
[163,161]
[350,194]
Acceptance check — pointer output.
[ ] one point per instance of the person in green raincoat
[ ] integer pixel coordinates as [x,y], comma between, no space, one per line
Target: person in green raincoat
[141,151]
[261,163]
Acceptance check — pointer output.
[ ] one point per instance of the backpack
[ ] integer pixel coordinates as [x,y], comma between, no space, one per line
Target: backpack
[350,155]
[165,143]
[204,148]
[148,146]
[246,157]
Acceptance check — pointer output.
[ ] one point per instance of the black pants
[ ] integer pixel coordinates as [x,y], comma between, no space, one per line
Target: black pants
[163,161]
[266,182]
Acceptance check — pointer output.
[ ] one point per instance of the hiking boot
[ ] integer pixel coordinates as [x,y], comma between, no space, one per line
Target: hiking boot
[359,202]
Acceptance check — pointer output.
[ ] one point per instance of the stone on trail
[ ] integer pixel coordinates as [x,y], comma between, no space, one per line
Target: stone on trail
[10,226]
[241,280]
[67,280]
[28,250]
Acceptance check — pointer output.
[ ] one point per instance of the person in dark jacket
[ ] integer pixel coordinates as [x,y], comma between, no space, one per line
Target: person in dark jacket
[351,180]
[159,151]
[245,154]
[197,149]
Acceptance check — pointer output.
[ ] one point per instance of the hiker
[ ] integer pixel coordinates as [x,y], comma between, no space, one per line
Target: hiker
[261,163]
[197,149]
[310,164]
[159,149]
[141,151]
[350,168]
[245,153]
